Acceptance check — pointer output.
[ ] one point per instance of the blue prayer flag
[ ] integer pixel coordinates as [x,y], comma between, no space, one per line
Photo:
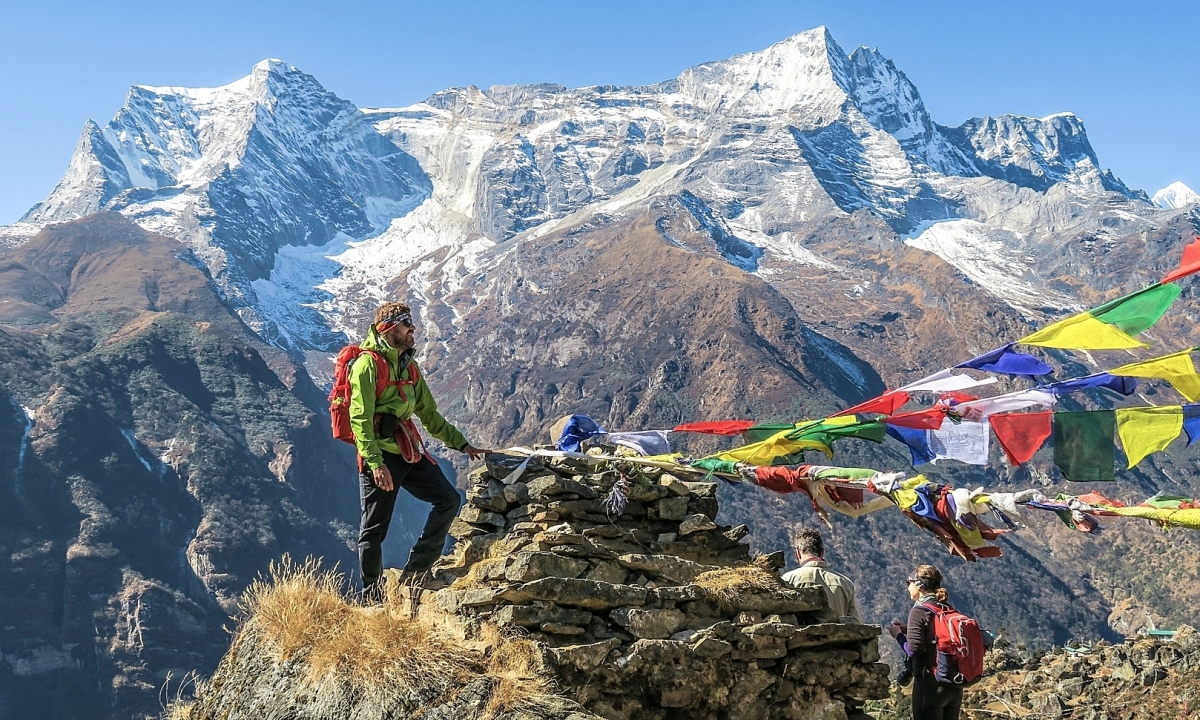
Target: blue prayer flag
[577,429]
[916,440]
[1191,422]
[1117,383]
[1006,361]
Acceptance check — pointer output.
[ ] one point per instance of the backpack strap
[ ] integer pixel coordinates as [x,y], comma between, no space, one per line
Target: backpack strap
[383,374]
[414,376]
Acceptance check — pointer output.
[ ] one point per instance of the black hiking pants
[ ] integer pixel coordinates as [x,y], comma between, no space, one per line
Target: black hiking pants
[932,700]
[424,481]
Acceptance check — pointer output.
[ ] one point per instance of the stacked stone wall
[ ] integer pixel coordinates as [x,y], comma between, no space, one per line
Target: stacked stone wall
[617,595]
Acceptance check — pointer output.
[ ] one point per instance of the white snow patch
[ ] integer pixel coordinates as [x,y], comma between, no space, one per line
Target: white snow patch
[132,440]
[24,440]
[837,354]
[993,258]
[1175,196]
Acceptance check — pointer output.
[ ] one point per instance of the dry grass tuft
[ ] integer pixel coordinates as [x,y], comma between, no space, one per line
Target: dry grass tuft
[299,609]
[180,711]
[520,671]
[724,585]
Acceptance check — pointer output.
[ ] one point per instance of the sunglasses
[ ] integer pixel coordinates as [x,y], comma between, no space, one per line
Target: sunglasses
[913,580]
[405,320]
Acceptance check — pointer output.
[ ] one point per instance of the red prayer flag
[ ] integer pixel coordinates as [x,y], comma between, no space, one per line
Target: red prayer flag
[885,404]
[717,427]
[1021,434]
[1189,264]
[930,419]
[783,479]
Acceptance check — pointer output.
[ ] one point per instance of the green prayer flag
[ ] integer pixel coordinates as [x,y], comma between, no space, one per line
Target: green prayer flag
[872,430]
[1138,311]
[1083,445]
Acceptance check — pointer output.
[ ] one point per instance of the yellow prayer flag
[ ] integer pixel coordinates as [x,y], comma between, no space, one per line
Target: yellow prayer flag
[1148,430]
[1082,332]
[764,452]
[1167,517]
[1176,368]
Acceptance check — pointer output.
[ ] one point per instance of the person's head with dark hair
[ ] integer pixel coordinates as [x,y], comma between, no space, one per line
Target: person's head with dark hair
[927,580]
[809,545]
[394,323]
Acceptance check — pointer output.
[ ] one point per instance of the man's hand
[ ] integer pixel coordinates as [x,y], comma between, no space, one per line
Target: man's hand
[896,629]
[383,478]
[474,452]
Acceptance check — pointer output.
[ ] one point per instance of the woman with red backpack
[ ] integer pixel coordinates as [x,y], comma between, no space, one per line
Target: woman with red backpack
[945,648]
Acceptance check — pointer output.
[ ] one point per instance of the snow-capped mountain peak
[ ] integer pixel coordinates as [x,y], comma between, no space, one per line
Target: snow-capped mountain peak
[805,75]
[1175,196]
[304,208]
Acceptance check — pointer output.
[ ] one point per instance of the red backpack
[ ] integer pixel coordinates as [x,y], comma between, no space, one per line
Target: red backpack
[339,397]
[960,646]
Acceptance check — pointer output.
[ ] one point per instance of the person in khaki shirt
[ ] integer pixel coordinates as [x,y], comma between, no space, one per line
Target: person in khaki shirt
[815,572]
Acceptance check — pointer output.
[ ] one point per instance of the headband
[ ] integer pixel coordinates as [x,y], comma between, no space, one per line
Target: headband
[391,321]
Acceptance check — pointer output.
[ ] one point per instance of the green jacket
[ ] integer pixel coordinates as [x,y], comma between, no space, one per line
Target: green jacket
[364,407]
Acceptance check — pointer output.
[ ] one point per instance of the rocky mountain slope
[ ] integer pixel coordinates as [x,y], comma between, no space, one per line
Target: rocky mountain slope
[774,236]
[158,455]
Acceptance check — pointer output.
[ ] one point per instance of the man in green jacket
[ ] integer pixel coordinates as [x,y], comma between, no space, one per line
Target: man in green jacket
[391,451]
[815,572]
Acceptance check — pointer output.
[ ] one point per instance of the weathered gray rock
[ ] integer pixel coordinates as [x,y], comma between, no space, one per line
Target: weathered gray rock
[584,658]
[650,624]
[832,634]
[607,571]
[479,516]
[575,592]
[528,566]
[672,508]
[530,616]
[696,523]
[665,566]
[546,488]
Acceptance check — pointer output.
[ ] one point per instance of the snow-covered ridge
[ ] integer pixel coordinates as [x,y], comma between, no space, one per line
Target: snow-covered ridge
[304,208]
[1175,196]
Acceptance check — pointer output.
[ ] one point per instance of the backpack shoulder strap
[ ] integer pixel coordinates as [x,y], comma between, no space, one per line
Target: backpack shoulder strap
[383,373]
[936,608]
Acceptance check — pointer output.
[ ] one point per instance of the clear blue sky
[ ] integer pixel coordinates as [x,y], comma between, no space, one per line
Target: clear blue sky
[1129,70]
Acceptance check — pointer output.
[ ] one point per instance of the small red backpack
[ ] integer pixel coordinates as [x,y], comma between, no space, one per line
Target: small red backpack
[960,646]
[339,396]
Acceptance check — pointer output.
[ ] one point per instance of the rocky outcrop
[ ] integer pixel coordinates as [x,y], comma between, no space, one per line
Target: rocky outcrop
[1142,677]
[649,610]
[573,592]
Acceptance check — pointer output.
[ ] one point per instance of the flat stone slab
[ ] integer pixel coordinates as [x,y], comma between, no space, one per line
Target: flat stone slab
[832,634]
[529,566]
[574,592]
[665,566]
[782,602]
[530,616]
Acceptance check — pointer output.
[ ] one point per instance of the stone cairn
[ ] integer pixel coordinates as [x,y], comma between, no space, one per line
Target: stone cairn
[613,586]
